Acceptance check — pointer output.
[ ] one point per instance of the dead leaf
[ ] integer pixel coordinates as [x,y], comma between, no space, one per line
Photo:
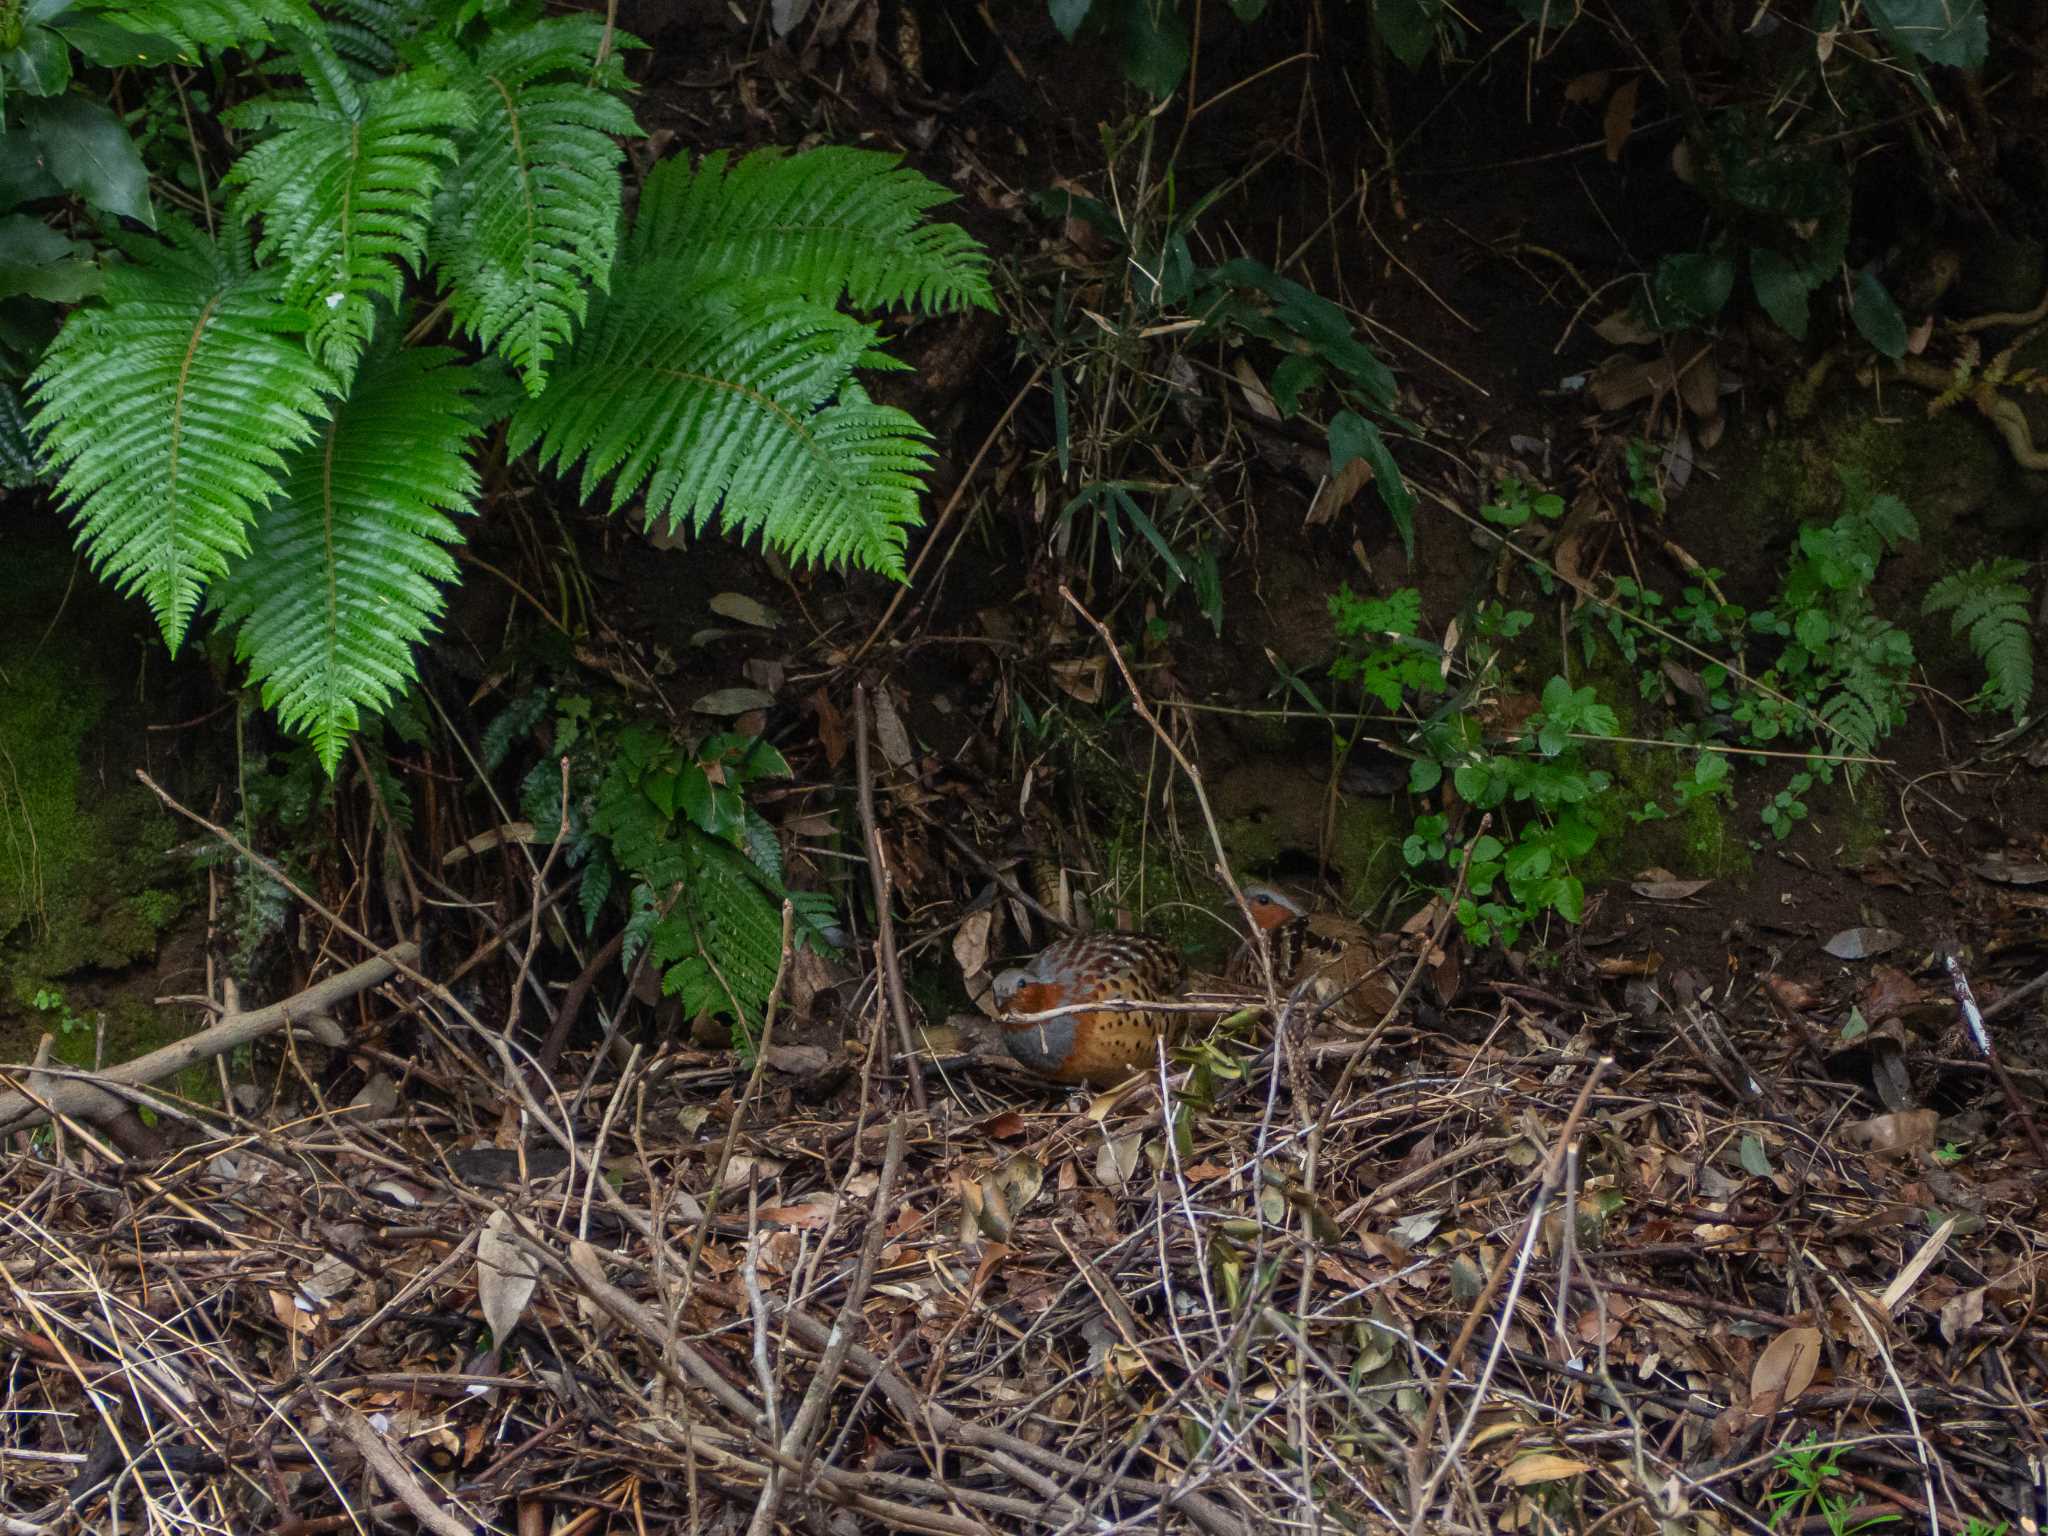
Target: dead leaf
[1788,993]
[970,941]
[294,1314]
[1623,328]
[1662,886]
[889,732]
[1341,489]
[1584,90]
[745,610]
[1621,117]
[1542,1467]
[1960,1313]
[1117,1159]
[765,674]
[733,701]
[1621,381]
[2006,870]
[1700,387]
[806,1061]
[1255,393]
[1909,1130]
[815,1214]
[831,726]
[1784,1370]
[506,1274]
[1862,943]
[1081,679]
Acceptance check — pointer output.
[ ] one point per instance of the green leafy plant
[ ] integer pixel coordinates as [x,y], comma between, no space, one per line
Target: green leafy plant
[666,829]
[51,1003]
[1987,603]
[1842,663]
[252,425]
[1380,648]
[1514,504]
[1513,879]
[1819,669]
[1807,1470]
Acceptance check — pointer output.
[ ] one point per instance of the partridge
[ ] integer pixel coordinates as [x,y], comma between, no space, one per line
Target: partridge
[1103,1046]
[1343,962]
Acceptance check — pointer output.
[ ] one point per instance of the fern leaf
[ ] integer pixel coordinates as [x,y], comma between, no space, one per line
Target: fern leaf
[731,922]
[528,224]
[734,396]
[344,190]
[1987,603]
[368,34]
[835,221]
[193,25]
[168,410]
[339,583]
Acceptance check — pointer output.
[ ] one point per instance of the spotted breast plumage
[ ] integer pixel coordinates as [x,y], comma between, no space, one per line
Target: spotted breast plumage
[1097,1046]
[1345,964]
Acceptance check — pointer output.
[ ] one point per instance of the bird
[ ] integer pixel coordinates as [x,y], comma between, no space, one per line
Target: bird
[1344,963]
[1100,1047]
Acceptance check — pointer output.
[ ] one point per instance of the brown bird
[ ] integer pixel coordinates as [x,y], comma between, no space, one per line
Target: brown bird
[1090,1046]
[1344,962]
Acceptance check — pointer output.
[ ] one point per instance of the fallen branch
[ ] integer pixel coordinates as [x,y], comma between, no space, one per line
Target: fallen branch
[84,1096]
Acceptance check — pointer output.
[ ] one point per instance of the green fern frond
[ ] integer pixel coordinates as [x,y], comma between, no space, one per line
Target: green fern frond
[1869,660]
[835,221]
[339,582]
[168,409]
[528,223]
[369,34]
[729,917]
[194,25]
[1988,603]
[344,190]
[734,396]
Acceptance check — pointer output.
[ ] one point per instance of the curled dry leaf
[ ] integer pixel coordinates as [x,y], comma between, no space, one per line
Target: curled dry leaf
[1256,395]
[1910,1130]
[1542,1467]
[505,1275]
[1081,679]
[1621,117]
[970,941]
[831,726]
[1960,1313]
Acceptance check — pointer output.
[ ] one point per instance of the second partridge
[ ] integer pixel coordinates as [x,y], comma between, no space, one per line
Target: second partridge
[1344,962]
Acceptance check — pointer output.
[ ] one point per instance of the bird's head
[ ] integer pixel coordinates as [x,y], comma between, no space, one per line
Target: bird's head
[1270,908]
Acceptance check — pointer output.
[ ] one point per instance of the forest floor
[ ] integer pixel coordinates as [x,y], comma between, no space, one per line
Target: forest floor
[1702,1214]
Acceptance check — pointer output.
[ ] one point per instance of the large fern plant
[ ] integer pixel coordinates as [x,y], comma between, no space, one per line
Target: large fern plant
[277,420]
[238,414]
